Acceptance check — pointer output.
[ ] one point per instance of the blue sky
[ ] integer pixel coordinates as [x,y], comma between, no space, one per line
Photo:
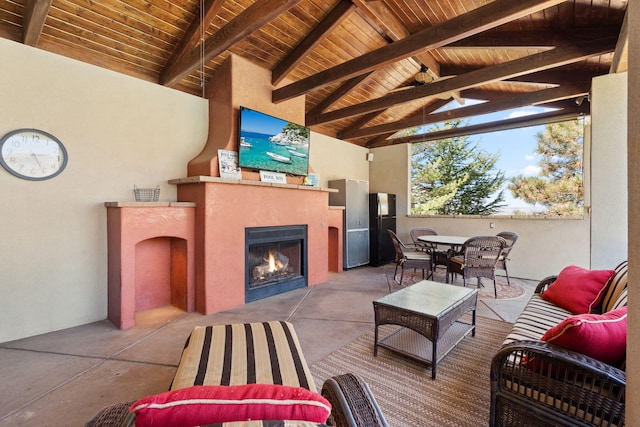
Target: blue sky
[253,121]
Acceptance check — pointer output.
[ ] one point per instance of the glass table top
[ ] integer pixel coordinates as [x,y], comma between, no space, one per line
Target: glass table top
[427,297]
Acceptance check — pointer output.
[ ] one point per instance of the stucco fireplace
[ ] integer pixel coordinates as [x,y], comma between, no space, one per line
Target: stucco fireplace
[213,273]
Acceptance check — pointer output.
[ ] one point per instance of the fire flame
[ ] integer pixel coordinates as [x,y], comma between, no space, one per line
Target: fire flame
[274,265]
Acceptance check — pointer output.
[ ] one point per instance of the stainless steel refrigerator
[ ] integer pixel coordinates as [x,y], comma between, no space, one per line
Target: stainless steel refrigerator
[382,217]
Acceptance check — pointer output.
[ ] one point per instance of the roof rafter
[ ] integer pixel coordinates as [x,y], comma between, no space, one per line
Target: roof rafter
[319,33]
[544,60]
[378,16]
[476,21]
[35,13]
[194,34]
[337,94]
[518,122]
[620,59]
[532,39]
[499,104]
[254,17]
[421,112]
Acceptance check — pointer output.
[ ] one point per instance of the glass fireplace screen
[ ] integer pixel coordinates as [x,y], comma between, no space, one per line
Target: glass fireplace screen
[274,262]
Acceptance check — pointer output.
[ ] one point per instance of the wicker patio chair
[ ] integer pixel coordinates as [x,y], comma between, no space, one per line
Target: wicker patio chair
[410,256]
[510,237]
[479,259]
[438,256]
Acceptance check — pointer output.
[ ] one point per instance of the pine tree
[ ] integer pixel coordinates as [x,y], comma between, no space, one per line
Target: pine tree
[558,187]
[454,176]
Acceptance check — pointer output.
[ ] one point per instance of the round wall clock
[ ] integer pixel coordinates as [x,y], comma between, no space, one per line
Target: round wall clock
[32,154]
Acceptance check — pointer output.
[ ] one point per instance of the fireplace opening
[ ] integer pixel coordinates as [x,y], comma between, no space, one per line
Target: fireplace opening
[276,260]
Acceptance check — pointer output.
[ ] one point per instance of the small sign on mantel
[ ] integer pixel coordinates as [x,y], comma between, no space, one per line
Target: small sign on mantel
[228,164]
[274,177]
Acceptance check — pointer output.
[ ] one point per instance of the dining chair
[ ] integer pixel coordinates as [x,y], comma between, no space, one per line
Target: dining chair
[409,256]
[438,256]
[479,259]
[510,237]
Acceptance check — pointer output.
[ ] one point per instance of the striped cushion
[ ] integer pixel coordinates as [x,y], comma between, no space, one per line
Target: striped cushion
[249,353]
[616,295]
[537,317]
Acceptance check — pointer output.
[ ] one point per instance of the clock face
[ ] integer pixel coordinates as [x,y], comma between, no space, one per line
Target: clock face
[32,154]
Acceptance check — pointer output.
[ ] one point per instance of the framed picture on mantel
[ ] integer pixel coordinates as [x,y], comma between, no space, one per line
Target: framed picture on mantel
[228,164]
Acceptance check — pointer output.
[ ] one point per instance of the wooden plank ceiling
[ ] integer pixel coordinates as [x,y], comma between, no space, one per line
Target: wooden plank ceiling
[355,60]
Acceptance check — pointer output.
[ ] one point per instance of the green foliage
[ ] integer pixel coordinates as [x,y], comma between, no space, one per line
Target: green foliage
[453,176]
[558,187]
[296,131]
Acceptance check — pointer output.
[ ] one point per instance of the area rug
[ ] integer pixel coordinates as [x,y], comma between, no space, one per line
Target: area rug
[505,291]
[408,397]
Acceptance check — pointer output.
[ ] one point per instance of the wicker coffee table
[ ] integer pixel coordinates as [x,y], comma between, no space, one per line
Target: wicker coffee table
[428,314]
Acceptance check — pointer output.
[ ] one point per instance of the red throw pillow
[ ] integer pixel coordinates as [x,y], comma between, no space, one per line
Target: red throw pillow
[601,336]
[200,405]
[577,289]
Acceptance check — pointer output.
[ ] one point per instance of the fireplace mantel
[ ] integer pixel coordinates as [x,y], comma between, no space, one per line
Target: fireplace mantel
[212,179]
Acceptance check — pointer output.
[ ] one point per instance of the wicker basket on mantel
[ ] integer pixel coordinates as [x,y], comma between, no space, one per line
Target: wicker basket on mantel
[146,194]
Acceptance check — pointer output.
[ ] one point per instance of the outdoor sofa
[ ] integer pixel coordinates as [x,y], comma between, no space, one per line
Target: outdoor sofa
[579,383]
[245,371]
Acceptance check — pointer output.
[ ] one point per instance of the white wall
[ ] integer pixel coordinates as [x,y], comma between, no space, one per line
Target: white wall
[332,159]
[608,154]
[389,174]
[118,131]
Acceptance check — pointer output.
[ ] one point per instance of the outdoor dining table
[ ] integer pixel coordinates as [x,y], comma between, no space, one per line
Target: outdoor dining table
[454,242]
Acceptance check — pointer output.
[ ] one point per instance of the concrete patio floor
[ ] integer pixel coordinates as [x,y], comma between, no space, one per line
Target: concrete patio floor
[62,378]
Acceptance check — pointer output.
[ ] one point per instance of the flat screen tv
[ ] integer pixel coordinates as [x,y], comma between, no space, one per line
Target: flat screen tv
[273,144]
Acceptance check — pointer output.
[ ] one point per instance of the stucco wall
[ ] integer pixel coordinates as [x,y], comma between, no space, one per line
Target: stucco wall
[332,159]
[119,132]
[609,153]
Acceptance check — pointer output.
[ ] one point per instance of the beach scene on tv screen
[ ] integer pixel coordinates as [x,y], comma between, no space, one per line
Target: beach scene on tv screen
[270,143]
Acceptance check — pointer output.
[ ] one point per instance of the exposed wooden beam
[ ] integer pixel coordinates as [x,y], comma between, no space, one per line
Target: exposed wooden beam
[194,34]
[254,17]
[478,20]
[620,62]
[315,37]
[420,112]
[35,13]
[519,122]
[558,76]
[555,76]
[378,15]
[500,104]
[532,39]
[337,94]
[532,63]
[361,121]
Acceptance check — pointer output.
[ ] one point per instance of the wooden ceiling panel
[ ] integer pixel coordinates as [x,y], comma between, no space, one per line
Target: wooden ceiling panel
[141,37]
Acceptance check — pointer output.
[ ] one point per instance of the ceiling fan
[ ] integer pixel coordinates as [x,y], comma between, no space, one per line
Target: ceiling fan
[423,77]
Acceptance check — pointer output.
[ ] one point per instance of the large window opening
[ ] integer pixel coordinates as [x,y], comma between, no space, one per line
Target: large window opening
[532,171]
